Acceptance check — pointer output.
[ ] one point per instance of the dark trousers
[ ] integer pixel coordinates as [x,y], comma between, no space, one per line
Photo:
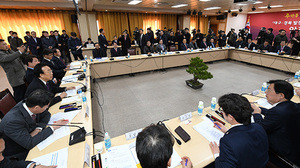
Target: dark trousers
[19,92]
[124,51]
[104,52]
[66,55]
[78,55]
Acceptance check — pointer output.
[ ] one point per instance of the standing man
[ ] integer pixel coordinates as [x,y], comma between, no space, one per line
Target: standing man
[261,36]
[222,39]
[63,40]
[10,36]
[75,45]
[150,36]
[27,37]
[58,72]
[296,44]
[163,37]
[269,35]
[103,43]
[279,38]
[24,126]
[56,39]
[35,44]
[14,69]
[142,41]
[125,43]
[187,35]
[30,61]
[232,37]
[281,122]
[15,42]
[247,36]
[48,42]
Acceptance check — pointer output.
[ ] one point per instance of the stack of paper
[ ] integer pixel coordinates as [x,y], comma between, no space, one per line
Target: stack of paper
[58,158]
[70,100]
[264,103]
[207,130]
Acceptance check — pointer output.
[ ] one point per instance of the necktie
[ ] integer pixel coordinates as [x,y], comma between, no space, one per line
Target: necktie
[116,49]
[185,46]
[125,38]
[205,44]
[35,40]
[47,84]
[33,116]
[213,45]
[62,60]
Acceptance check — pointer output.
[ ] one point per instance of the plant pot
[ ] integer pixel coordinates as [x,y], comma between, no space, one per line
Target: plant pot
[195,85]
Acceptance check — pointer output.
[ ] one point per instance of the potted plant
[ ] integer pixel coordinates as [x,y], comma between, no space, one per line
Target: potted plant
[199,70]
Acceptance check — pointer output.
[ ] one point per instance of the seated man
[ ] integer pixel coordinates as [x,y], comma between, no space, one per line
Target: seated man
[116,51]
[193,44]
[154,148]
[97,51]
[281,121]
[58,61]
[24,126]
[239,43]
[184,46]
[4,162]
[244,144]
[30,61]
[57,72]
[161,47]
[148,49]
[283,49]
[88,42]
[203,44]
[266,47]
[249,45]
[43,80]
[212,43]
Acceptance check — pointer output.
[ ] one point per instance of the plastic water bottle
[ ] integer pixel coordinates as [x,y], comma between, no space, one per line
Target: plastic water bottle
[84,68]
[85,57]
[200,108]
[83,96]
[264,87]
[213,104]
[107,141]
[166,52]
[192,49]
[296,75]
[253,48]
[128,55]
[278,52]
[161,52]
[91,59]
[239,46]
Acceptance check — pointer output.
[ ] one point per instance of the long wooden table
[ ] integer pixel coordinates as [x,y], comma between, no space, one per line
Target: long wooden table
[75,152]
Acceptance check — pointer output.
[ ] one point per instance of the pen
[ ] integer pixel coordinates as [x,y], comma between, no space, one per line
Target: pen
[186,162]
[76,123]
[215,124]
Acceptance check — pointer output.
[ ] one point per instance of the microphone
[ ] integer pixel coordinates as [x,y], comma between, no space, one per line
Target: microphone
[84,88]
[162,124]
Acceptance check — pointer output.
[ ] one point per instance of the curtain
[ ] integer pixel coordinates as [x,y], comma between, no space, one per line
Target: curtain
[21,21]
[199,22]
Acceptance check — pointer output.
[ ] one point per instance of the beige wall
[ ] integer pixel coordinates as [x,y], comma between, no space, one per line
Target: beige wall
[186,21]
[87,26]
[237,22]
[221,23]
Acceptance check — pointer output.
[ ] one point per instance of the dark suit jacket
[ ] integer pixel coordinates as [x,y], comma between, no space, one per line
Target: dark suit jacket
[268,47]
[282,126]
[97,53]
[183,48]
[244,146]
[286,49]
[142,42]
[17,125]
[63,40]
[57,72]
[126,44]
[246,37]
[102,40]
[72,43]
[13,163]
[27,39]
[48,42]
[252,45]
[29,75]
[212,45]
[33,45]
[239,43]
[15,43]
[38,84]
[8,39]
[148,49]
[115,53]
[159,48]
[164,38]
[59,62]
[202,45]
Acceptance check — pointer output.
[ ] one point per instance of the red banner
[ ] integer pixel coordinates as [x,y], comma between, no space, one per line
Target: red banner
[280,20]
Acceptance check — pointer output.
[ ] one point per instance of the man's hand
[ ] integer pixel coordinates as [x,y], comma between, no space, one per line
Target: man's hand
[223,128]
[59,44]
[214,147]
[59,122]
[189,163]
[71,88]
[22,49]
[256,109]
[63,95]
[297,92]
[42,166]
[38,47]
[104,45]
[54,80]
[77,46]
[35,132]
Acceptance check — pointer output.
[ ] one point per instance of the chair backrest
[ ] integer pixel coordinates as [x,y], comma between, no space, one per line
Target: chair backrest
[7,102]
[172,48]
[131,51]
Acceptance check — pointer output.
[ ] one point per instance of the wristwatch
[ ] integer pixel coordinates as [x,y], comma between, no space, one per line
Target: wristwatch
[36,164]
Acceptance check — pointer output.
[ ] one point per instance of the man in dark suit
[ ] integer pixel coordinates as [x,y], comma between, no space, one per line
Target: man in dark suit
[187,35]
[57,72]
[30,61]
[115,52]
[9,37]
[75,45]
[283,49]
[281,122]
[244,144]
[269,35]
[125,43]
[27,37]
[163,37]
[97,53]
[204,44]
[161,47]
[212,43]
[184,45]
[142,40]
[63,40]
[222,39]
[199,37]
[103,43]
[150,36]
[171,39]
[15,42]
[56,37]
[249,45]
[48,42]
[35,44]
[266,47]
[4,162]
[58,61]
[43,80]
[247,36]
[148,49]
[239,43]
[24,126]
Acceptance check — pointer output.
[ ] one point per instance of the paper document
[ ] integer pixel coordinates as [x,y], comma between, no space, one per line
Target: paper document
[58,158]
[120,157]
[207,130]
[120,58]
[69,81]
[72,92]
[264,103]
[70,100]
[59,133]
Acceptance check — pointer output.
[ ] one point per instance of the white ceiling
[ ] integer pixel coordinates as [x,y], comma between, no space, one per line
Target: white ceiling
[150,6]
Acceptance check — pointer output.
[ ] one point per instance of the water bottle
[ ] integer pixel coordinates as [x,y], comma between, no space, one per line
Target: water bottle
[91,58]
[85,57]
[278,52]
[192,49]
[166,52]
[128,55]
[83,97]
[239,46]
[296,75]
[200,108]
[161,52]
[84,68]
[253,48]
[107,141]
[213,104]
[264,87]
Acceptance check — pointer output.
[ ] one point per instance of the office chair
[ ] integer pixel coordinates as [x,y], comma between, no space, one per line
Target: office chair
[7,102]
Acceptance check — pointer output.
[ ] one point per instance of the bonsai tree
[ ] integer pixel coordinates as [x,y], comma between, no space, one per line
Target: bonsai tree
[199,70]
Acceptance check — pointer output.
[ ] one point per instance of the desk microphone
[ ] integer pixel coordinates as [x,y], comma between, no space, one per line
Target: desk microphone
[162,124]
[84,88]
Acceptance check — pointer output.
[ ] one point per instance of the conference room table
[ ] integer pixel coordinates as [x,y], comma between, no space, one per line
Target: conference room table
[89,51]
